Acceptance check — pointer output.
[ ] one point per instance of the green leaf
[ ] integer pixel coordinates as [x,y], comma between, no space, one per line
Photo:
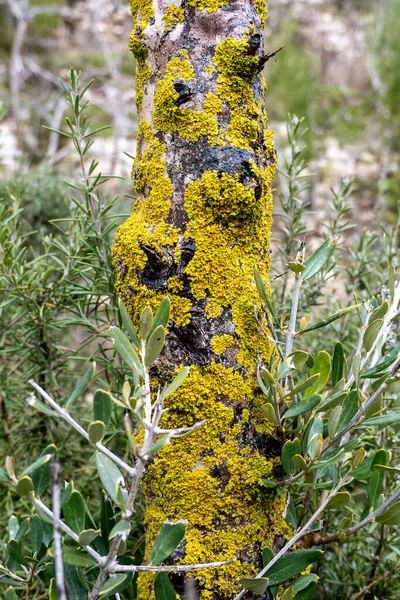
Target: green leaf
[163,589]
[40,406]
[304,385]
[314,433]
[322,365]
[388,419]
[391,516]
[87,536]
[339,500]
[24,486]
[160,443]
[349,409]
[375,477]
[372,333]
[82,384]
[289,450]
[107,517]
[41,477]
[299,462]
[299,358]
[175,383]
[102,405]
[109,474]
[387,361]
[333,401]
[263,294]
[337,315]
[10,594]
[380,312]
[168,538]
[309,593]
[123,527]
[74,557]
[269,413]
[317,260]
[128,323]
[333,421]
[257,585]
[162,315]
[302,407]
[53,595]
[76,591]
[302,582]
[38,463]
[125,349]
[146,322]
[296,267]
[338,363]
[74,512]
[36,534]
[111,586]
[96,431]
[291,565]
[154,345]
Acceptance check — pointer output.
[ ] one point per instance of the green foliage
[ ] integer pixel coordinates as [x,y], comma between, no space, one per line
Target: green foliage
[331,401]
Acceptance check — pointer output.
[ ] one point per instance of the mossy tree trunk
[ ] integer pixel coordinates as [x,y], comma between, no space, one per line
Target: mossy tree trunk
[200,224]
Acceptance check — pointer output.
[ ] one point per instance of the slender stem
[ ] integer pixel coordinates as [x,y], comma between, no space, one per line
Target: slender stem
[56,505]
[71,421]
[318,540]
[373,583]
[170,568]
[293,316]
[106,567]
[298,535]
[66,529]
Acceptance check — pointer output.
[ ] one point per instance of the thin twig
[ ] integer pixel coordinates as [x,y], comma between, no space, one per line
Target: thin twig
[71,421]
[298,535]
[58,558]
[97,557]
[373,583]
[170,568]
[318,540]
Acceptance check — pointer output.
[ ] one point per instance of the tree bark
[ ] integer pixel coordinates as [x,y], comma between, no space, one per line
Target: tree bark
[201,222]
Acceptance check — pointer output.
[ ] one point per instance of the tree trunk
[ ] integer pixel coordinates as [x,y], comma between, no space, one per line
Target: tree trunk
[201,222]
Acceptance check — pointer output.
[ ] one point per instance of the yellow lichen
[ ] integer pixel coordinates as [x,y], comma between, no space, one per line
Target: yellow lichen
[220,270]
[172,16]
[213,482]
[175,284]
[190,124]
[261,8]
[212,104]
[220,343]
[209,5]
[147,226]
[210,69]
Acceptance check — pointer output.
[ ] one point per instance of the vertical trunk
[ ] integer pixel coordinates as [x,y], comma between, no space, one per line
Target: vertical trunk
[201,221]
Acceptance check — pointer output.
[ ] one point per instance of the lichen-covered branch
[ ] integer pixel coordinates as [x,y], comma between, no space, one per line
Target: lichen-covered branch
[201,222]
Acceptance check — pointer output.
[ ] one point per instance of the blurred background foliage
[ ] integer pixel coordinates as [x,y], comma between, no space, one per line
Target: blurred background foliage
[339,72]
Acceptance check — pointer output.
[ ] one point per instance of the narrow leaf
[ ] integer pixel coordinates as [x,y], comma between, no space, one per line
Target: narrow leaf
[337,363]
[128,324]
[125,349]
[109,474]
[304,406]
[291,565]
[154,345]
[257,585]
[82,384]
[163,589]
[317,260]
[168,538]
[74,512]
[337,315]
[102,405]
